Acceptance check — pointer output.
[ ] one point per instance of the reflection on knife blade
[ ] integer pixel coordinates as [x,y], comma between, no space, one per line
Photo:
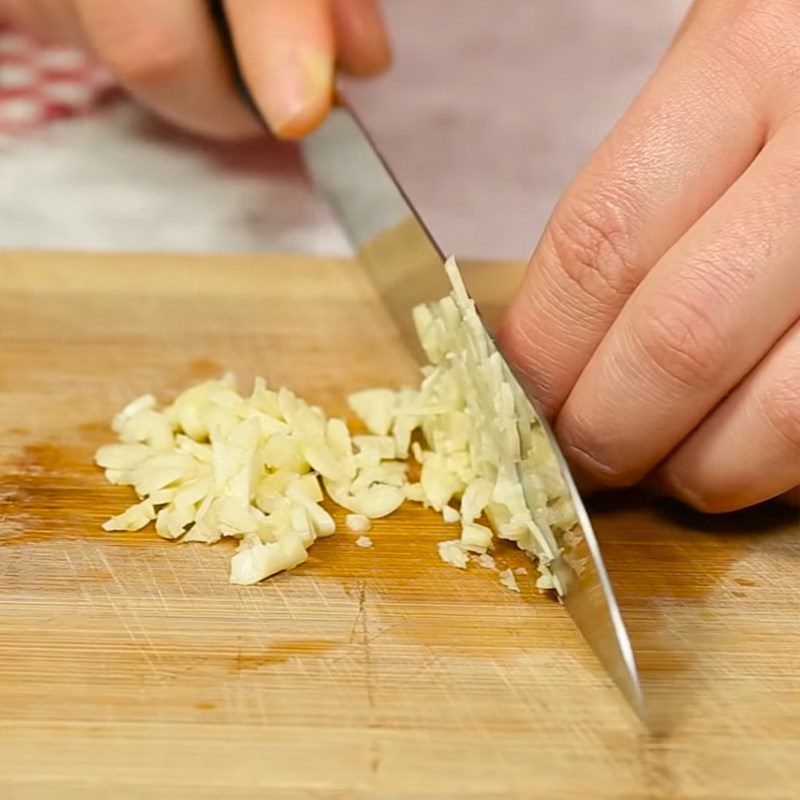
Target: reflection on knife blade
[407,268]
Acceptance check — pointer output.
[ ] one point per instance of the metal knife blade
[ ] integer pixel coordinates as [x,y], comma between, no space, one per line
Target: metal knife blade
[407,267]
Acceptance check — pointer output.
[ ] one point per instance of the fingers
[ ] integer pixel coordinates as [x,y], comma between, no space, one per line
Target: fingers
[699,322]
[361,37]
[689,135]
[51,20]
[748,450]
[287,51]
[61,19]
[168,55]
[27,15]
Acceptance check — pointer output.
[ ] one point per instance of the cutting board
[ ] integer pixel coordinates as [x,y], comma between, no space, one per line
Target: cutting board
[130,668]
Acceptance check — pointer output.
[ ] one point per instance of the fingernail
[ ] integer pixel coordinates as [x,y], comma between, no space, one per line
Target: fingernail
[667,484]
[297,90]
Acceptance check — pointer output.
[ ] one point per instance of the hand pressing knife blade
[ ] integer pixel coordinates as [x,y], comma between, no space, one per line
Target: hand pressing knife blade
[408,268]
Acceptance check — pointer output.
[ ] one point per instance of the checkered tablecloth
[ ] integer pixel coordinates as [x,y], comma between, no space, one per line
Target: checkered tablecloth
[40,83]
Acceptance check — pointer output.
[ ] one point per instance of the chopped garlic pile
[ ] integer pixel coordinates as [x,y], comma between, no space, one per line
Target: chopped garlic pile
[215,463]
[480,439]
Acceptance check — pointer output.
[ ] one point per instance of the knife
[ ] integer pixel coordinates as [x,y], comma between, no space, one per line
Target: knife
[406,266]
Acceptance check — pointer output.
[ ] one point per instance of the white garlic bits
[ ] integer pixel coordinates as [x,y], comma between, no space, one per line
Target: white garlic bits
[217,464]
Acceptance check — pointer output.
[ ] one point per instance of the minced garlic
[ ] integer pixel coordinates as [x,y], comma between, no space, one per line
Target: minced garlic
[218,464]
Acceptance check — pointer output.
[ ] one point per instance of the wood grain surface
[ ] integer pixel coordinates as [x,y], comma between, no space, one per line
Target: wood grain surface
[129,668]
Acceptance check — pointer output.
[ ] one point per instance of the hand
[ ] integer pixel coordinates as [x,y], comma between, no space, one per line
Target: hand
[167,54]
[660,314]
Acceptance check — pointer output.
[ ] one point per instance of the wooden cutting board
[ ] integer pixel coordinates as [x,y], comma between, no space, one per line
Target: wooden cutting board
[129,668]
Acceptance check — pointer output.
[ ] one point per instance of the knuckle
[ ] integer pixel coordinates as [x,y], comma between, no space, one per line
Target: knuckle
[760,34]
[683,340]
[148,60]
[592,243]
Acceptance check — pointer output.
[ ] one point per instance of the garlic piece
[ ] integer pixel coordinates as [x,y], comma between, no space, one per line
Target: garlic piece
[453,553]
[374,502]
[545,581]
[476,538]
[257,560]
[449,514]
[146,402]
[376,408]
[475,498]
[508,580]
[487,561]
[132,519]
[357,523]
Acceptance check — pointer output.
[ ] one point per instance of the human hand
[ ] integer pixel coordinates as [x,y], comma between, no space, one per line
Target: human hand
[168,54]
[660,314]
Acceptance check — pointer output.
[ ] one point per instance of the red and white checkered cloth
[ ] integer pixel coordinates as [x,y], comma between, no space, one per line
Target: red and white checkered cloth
[40,83]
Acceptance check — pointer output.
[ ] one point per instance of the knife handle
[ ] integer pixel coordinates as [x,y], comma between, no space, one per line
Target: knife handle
[220,19]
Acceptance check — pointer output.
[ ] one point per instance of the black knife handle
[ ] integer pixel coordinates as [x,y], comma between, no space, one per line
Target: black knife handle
[217,10]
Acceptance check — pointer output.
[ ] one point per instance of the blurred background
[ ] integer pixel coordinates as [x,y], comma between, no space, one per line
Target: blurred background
[490,109]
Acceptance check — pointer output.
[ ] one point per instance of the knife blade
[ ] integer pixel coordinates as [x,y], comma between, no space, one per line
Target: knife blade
[406,266]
